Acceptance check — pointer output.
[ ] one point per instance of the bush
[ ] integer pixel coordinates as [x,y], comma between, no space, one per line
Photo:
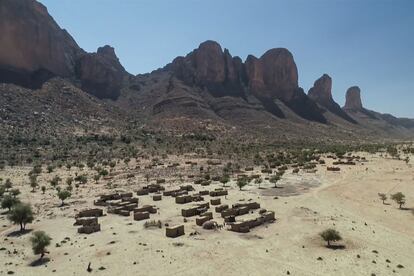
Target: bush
[330,235]
[22,214]
[40,240]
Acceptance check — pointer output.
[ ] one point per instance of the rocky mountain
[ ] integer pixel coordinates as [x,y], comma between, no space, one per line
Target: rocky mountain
[271,77]
[321,93]
[33,49]
[208,90]
[372,119]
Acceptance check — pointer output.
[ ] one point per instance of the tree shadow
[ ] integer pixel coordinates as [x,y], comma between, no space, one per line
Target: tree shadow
[278,187]
[406,209]
[336,246]
[19,233]
[39,262]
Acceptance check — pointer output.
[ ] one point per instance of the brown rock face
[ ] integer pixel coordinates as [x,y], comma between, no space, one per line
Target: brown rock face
[353,99]
[321,90]
[33,48]
[32,45]
[321,93]
[273,75]
[101,73]
[208,66]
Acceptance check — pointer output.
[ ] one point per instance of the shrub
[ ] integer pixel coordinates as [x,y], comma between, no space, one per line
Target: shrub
[22,214]
[40,240]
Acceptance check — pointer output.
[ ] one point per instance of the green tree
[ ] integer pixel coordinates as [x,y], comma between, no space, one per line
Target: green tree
[63,194]
[2,190]
[330,235]
[241,182]
[33,182]
[15,192]
[224,179]
[8,184]
[274,179]
[40,240]
[399,198]
[8,202]
[22,214]
[383,197]
[258,181]
[55,181]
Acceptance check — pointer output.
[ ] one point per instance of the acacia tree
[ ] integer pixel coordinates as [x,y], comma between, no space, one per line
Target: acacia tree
[274,179]
[8,184]
[383,197]
[40,240]
[241,182]
[63,194]
[224,179]
[399,198]
[330,235]
[8,202]
[22,214]
[258,181]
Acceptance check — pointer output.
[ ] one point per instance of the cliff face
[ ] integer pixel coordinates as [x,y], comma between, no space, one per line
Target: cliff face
[101,74]
[33,49]
[353,99]
[273,76]
[321,93]
[32,45]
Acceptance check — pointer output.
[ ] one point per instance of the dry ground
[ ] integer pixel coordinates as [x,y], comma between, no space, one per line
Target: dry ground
[377,237]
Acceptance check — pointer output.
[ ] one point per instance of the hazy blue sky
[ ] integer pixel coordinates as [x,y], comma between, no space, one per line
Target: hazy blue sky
[369,43]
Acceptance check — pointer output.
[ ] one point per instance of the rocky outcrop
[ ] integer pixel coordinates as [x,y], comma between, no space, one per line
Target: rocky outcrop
[272,76]
[353,99]
[101,74]
[33,47]
[209,67]
[321,93]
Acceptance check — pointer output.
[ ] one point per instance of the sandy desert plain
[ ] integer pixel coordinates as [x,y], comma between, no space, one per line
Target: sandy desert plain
[378,239]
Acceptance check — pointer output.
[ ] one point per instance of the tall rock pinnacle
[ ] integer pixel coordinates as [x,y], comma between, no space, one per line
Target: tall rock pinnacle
[353,99]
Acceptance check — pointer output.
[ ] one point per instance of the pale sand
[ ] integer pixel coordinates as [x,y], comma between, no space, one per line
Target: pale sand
[345,200]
